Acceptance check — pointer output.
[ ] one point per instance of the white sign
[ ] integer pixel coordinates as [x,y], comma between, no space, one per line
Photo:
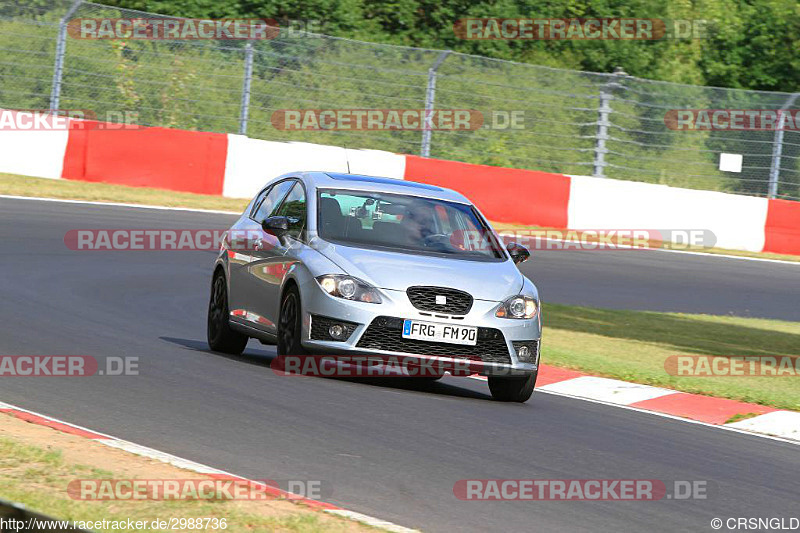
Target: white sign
[730,162]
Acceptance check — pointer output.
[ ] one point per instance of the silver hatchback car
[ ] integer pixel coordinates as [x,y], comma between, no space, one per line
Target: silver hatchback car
[348,264]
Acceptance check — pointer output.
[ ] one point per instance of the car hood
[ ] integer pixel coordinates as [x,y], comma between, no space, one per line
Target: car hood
[398,271]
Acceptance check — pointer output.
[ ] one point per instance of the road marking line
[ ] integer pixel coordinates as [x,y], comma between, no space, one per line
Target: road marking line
[159,456]
[374,522]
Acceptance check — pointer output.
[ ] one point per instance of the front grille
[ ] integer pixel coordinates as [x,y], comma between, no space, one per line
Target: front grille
[321,324]
[386,333]
[424,298]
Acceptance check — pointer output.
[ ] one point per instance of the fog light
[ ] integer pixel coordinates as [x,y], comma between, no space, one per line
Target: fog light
[524,352]
[527,351]
[336,331]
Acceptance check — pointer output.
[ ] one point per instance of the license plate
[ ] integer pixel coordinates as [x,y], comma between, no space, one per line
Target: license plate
[436,332]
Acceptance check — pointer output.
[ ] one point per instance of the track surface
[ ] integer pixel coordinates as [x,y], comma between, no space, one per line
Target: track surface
[390,450]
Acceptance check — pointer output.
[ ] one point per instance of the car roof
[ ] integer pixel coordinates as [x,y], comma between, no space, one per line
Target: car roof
[335,180]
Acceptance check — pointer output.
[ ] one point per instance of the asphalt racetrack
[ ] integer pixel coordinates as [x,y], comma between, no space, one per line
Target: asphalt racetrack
[391,450]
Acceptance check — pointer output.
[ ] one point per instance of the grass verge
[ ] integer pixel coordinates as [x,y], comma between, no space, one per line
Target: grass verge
[38,463]
[104,192]
[634,345]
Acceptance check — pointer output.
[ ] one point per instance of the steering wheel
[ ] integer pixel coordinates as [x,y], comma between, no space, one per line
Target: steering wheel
[440,240]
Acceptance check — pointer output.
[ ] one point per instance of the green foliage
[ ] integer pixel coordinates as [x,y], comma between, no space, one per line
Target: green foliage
[198,84]
[751,44]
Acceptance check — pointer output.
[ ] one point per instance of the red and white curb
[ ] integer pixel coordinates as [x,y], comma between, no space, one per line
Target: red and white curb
[185,464]
[696,408]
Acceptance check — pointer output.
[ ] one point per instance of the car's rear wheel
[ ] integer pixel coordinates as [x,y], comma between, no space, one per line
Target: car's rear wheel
[221,338]
[290,324]
[512,389]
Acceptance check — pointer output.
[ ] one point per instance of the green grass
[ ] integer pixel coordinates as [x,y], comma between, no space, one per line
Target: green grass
[633,346]
[738,417]
[38,478]
[104,192]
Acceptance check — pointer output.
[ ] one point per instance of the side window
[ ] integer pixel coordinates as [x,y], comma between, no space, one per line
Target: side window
[443,215]
[251,209]
[294,207]
[271,200]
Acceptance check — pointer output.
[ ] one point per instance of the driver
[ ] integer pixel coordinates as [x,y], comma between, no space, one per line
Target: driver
[419,223]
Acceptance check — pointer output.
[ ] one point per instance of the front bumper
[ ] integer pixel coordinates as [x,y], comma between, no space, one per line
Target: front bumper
[377,331]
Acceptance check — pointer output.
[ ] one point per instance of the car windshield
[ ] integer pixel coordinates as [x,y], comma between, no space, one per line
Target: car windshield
[406,224]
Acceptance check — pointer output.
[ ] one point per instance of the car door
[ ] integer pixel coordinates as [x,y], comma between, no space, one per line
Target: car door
[245,237]
[274,258]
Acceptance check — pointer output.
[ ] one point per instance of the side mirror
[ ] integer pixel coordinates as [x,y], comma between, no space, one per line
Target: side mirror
[276,225]
[517,252]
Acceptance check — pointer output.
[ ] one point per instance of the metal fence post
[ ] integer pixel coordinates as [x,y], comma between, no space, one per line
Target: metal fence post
[61,50]
[602,135]
[777,148]
[248,79]
[430,95]
[603,123]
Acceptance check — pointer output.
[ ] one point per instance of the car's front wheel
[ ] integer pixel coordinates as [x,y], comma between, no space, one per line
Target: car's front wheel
[221,338]
[512,389]
[290,324]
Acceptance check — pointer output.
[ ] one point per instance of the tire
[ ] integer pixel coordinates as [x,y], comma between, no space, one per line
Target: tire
[513,389]
[221,338]
[290,324]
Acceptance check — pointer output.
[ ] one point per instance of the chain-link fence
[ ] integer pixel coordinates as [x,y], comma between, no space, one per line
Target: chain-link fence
[610,125]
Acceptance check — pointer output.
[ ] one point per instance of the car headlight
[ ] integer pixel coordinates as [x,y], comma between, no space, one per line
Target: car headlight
[518,307]
[349,288]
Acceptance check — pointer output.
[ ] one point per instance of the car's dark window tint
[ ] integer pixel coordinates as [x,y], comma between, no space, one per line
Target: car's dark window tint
[294,207]
[257,202]
[272,199]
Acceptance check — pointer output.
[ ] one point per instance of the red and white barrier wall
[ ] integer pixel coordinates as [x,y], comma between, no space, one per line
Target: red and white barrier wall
[236,166]
[37,153]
